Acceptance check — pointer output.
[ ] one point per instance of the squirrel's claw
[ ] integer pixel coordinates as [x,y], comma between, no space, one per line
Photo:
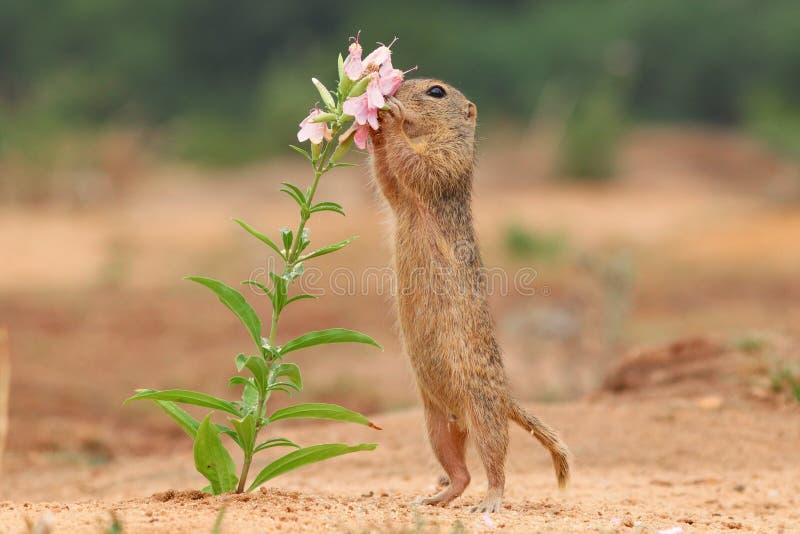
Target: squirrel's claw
[395,108]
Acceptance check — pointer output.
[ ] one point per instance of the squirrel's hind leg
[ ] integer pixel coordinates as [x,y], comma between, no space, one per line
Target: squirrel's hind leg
[449,444]
[491,441]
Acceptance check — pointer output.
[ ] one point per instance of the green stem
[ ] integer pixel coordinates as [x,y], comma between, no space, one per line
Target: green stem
[243,477]
[320,169]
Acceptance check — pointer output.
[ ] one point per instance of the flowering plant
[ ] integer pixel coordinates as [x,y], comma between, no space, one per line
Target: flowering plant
[363,86]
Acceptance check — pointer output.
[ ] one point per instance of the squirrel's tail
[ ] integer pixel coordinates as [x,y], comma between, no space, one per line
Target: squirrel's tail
[547,437]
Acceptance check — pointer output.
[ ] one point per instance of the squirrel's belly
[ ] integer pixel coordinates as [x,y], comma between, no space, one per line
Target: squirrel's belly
[443,347]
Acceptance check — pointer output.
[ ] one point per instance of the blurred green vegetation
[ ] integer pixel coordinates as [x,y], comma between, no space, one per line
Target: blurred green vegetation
[228,82]
[524,243]
[592,135]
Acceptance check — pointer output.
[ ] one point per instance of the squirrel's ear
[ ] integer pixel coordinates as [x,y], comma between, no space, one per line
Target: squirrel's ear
[472,112]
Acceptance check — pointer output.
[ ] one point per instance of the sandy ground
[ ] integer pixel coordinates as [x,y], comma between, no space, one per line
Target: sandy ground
[650,464]
[696,242]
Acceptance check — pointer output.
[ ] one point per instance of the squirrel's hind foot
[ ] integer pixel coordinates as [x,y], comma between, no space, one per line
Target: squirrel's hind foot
[492,503]
[442,498]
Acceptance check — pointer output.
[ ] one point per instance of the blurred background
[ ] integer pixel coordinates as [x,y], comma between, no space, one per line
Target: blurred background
[640,156]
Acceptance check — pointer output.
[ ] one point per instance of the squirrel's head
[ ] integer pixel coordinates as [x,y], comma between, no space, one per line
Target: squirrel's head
[433,107]
[439,121]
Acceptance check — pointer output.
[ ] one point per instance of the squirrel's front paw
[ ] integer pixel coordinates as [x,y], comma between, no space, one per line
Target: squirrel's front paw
[393,116]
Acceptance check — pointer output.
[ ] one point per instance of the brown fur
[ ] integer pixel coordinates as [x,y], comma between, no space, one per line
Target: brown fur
[423,161]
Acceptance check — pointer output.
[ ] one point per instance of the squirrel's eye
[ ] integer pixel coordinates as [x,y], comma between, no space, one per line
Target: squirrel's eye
[437,91]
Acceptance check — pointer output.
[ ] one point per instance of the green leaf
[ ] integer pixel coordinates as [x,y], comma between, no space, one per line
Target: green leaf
[240,381]
[299,199]
[345,83]
[300,297]
[263,238]
[257,366]
[212,460]
[181,416]
[336,164]
[246,430]
[304,241]
[340,67]
[276,442]
[297,191]
[328,206]
[279,300]
[320,410]
[301,151]
[331,335]
[287,370]
[229,432]
[286,237]
[241,359]
[250,398]
[236,303]
[308,455]
[282,386]
[270,352]
[328,249]
[296,271]
[259,285]
[186,397]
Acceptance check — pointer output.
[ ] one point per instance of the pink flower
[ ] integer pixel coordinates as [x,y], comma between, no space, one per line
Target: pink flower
[353,65]
[377,57]
[359,107]
[314,131]
[374,95]
[389,78]
[384,81]
[361,135]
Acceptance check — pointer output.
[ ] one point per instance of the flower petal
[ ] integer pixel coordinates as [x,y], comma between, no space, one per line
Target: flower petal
[362,134]
[313,131]
[390,82]
[358,107]
[374,96]
[353,66]
[372,118]
[378,56]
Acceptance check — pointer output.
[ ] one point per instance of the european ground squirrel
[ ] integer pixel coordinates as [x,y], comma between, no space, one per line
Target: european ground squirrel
[423,161]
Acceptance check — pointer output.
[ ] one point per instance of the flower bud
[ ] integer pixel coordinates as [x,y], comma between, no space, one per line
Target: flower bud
[324,94]
[360,87]
[342,149]
[324,117]
[345,84]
